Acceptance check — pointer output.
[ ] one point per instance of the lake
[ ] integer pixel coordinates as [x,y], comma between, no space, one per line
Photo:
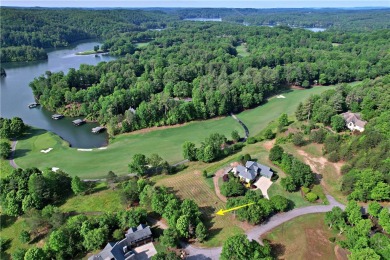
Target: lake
[204,19]
[15,94]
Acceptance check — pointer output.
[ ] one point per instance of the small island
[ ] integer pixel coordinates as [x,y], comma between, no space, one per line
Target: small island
[96,50]
[2,73]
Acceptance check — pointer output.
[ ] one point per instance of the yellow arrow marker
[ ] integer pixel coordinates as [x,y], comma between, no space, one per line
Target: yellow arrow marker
[222,212]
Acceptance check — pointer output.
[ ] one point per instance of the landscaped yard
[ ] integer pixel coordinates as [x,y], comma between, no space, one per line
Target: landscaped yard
[165,141]
[305,237]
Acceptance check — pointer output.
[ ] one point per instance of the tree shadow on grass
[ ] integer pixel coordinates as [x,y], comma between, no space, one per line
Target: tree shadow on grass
[6,221]
[20,153]
[277,250]
[31,132]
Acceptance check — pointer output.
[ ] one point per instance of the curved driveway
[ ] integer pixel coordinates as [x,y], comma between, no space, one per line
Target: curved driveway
[257,231]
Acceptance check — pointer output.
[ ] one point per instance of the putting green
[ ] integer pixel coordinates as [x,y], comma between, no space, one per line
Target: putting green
[165,142]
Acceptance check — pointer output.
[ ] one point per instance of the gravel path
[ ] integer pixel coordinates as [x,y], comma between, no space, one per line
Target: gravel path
[12,156]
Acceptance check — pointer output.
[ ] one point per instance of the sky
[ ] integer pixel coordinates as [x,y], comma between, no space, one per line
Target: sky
[198,3]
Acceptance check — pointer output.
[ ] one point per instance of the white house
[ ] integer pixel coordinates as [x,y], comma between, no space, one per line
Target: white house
[353,121]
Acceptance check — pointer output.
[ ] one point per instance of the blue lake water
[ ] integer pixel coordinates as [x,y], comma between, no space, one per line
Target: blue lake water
[15,94]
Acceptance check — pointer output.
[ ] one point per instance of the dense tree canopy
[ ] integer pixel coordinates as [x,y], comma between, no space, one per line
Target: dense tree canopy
[192,71]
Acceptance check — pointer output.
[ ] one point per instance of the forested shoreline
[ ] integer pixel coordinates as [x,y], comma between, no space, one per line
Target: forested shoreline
[193,71]
[26,32]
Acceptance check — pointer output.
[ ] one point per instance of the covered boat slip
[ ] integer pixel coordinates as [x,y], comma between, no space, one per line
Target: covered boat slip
[78,122]
[98,129]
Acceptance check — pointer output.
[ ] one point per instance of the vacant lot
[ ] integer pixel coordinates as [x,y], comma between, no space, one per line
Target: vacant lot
[329,172]
[191,185]
[165,141]
[305,237]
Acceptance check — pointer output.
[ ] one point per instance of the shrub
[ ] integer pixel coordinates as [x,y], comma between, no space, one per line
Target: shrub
[305,190]
[311,197]
[118,234]
[332,239]
[204,173]
[298,140]
[251,140]
[232,188]
[268,134]
[334,156]
[24,236]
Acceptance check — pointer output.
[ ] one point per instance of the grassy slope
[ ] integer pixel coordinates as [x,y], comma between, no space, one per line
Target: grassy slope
[305,237]
[12,231]
[166,142]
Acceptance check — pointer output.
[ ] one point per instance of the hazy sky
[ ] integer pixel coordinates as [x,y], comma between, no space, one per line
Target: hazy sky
[198,3]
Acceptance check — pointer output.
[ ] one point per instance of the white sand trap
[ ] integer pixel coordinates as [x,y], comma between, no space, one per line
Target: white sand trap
[84,150]
[263,184]
[280,96]
[55,169]
[47,150]
[102,148]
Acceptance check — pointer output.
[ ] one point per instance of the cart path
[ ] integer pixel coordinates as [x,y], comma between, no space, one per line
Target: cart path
[216,177]
[243,126]
[12,156]
[256,232]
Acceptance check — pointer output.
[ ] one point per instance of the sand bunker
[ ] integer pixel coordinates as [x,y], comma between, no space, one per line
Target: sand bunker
[84,150]
[280,96]
[47,150]
[102,148]
[55,169]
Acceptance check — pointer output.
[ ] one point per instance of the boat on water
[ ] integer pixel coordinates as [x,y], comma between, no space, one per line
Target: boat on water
[32,105]
[57,116]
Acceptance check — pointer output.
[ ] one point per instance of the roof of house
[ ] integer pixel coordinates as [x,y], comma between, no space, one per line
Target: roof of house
[354,118]
[120,250]
[134,234]
[246,173]
[251,168]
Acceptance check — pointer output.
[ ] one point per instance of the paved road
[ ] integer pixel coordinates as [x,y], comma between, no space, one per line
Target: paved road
[256,232]
[12,156]
[243,125]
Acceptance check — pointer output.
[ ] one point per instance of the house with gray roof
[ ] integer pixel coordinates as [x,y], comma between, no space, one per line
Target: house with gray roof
[251,170]
[354,121]
[122,250]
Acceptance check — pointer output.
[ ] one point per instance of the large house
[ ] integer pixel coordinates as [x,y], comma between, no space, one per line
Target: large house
[353,121]
[251,170]
[122,250]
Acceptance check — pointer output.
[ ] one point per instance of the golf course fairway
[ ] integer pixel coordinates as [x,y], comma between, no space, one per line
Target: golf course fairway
[167,142]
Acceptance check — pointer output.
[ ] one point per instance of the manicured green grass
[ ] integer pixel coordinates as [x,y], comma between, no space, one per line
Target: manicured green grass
[166,142]
[242,51]
[258,118]
[97,163]
[305,237]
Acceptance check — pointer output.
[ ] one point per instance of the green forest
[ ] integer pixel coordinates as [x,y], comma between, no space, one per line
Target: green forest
[193,71]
